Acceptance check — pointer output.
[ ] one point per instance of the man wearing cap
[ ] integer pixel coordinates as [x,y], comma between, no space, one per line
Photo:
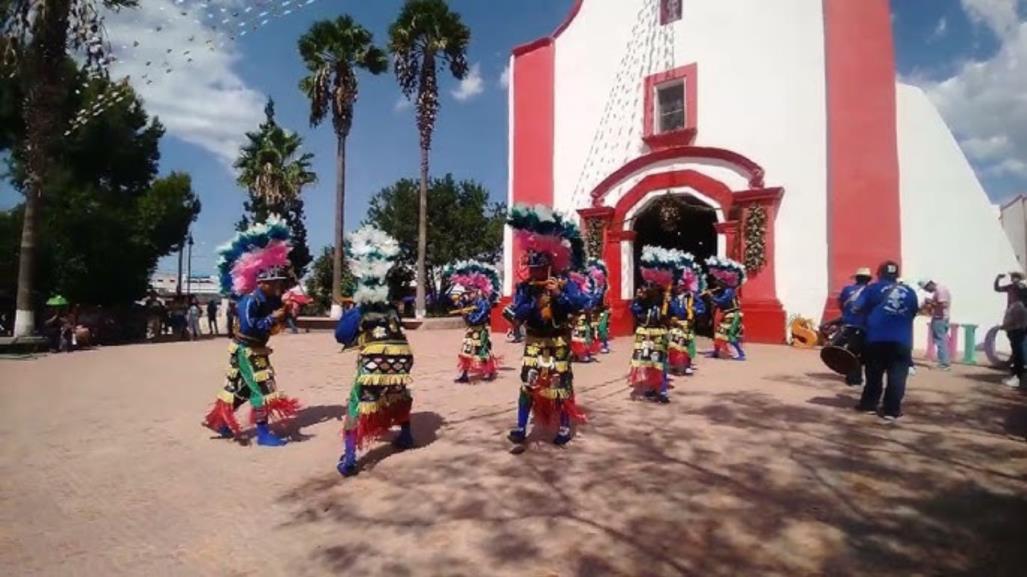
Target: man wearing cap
[939,302]
[1014,322]
[890,307]
[854,321]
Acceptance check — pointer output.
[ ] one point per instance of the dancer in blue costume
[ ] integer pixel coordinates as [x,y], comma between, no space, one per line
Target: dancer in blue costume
[685,307]
[379,398]
[478,286]
[252,270]
[544,303]
[728,276]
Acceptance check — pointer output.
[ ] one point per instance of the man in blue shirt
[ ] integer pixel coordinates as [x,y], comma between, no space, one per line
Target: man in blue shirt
[890,307]
[854,321]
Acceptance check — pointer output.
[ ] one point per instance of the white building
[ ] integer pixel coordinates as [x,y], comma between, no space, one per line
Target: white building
[1014,220]
[204,287]
[678,122]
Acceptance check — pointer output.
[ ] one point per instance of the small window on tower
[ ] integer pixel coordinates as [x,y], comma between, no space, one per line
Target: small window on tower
[670,11]
[670,106]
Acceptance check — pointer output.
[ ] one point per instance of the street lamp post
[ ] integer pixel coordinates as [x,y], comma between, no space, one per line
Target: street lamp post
[189,270]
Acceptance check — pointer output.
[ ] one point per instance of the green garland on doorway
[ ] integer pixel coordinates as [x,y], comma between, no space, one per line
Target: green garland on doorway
[594,238]
[755,238]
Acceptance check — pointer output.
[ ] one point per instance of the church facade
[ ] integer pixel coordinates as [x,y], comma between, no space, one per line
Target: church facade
[773,133]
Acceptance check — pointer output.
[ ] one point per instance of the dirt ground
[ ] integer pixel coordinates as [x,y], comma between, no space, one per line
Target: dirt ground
[756,469]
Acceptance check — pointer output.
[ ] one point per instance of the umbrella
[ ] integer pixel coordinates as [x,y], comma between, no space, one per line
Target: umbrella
[57,301]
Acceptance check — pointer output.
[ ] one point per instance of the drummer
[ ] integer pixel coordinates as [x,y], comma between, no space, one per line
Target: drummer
[854,321]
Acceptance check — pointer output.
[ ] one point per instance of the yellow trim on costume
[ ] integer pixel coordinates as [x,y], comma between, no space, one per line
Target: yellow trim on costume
[380,380]
[651,331]
[262,376]
[391,349]
[226,397]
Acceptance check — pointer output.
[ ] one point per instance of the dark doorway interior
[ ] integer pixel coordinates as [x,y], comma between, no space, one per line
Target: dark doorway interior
[677,221]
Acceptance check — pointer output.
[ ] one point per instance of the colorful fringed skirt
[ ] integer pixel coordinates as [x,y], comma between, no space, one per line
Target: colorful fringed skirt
[649,358]
[476,358]
[730,328]
[379,398]
[582,338]
[547,381]
[249,377]
[681,346]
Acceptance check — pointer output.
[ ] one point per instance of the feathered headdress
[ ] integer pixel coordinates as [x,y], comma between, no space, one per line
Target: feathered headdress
[598,276]
[474,274]
[371,254]
[690,274]
[728,272]
[260,252]
[659,265]
[547,237]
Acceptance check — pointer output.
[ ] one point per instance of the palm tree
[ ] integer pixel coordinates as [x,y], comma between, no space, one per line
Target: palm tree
[425,32]
[34,40]
[333,51]
[270,165]
[273,170]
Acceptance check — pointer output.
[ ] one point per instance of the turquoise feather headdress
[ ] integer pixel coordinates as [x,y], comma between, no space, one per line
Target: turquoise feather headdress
[471,273]
[256,250]
[541,232]
[728,272]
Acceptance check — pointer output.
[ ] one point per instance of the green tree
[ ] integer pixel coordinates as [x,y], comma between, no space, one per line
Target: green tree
[319,283]
[108,218]
[462,223]
[425,33]
[274,173]
[332,52]
[34,40]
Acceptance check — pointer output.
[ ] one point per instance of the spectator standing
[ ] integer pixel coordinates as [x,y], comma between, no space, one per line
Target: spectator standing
[193,316]
[212,316]
[230,319]
[939,302]
[1014,322]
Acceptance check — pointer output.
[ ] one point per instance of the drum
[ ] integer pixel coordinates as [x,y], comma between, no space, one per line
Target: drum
[844,352]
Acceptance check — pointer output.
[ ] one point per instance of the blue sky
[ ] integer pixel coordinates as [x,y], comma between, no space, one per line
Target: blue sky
[208,102]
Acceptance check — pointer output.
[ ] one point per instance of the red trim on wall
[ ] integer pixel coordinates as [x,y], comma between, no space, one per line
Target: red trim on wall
[863,167]
[657,141]
[549,40]
[754,170]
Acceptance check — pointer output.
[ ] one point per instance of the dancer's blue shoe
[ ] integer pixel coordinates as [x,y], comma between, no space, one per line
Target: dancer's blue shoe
[347,466]
[405,440]
[265,438]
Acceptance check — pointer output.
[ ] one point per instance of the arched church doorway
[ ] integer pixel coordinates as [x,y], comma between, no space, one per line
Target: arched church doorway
[678,221]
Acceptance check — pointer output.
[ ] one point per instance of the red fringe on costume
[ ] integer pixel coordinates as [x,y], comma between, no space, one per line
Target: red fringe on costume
[678,359]
[279,408]
[546,411]
[580,350]
[371,426]
[646,378]
[476,367]
[597,346]
[222,414]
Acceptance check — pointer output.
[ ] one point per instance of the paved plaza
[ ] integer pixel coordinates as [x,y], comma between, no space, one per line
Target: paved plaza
[755,469]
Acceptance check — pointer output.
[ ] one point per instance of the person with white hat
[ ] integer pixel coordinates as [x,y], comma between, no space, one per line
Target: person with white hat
[939,303]
[853,320]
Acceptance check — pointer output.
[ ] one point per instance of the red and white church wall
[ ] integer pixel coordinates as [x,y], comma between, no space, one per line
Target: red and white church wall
[788,105]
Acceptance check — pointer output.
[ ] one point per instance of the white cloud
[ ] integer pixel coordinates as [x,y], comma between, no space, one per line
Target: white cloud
[504,78]
[940,30]
[983,101]
[472,85]
[402,103]
[999,15]
[202,100]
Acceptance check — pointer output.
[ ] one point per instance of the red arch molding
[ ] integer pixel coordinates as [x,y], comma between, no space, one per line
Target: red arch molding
[547,40]
[754,170]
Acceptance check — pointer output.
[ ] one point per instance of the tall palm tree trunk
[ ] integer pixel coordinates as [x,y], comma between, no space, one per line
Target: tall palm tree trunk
[45,65]
[422,235]
[340,221]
